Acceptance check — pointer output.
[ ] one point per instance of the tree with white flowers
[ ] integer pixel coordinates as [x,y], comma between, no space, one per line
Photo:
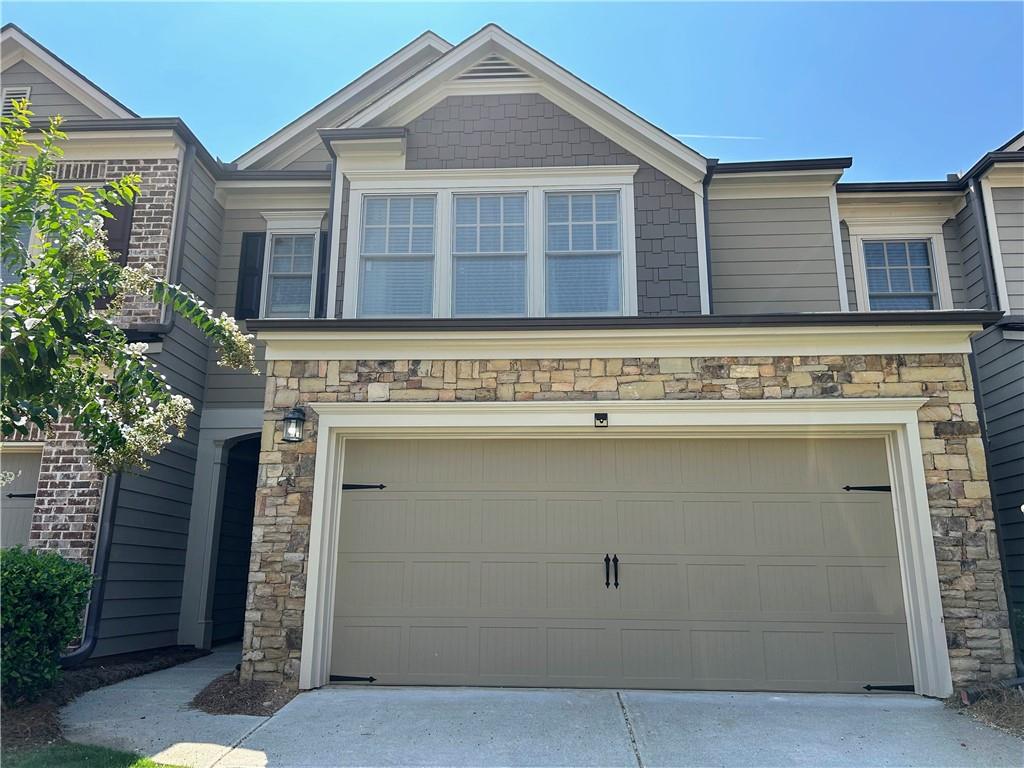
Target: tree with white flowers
[62,356]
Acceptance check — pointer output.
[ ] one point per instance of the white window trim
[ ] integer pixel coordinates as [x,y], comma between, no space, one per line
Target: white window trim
[925,228]
[534,182]
[291,223]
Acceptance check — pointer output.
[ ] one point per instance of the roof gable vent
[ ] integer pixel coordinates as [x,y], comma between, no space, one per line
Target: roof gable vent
[494,67]
[11,95]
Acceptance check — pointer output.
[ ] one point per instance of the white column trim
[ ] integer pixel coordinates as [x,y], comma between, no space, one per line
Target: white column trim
[837,245]
[895,419]
[703,265]
[994,246]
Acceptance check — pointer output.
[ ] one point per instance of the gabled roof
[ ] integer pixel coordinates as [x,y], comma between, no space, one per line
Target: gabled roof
[1016,144]
[447,75]
[426,44]
[16,45]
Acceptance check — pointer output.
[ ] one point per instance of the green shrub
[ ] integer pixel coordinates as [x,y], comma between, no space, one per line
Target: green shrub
[42,597]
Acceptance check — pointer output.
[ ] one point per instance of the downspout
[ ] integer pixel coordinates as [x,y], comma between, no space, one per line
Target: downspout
[101,563]
[112,487]
[706,184]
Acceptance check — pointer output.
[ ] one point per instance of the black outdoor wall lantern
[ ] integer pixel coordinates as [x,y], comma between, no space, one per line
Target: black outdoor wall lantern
[293,421]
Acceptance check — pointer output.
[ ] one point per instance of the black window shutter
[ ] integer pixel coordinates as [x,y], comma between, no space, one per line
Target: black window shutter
[250,275]
[119,230]
[320,308]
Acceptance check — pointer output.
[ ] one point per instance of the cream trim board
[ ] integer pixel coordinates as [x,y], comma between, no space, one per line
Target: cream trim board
[1005,175]
[21,446]
[994,246]
[895,419]
[773,184]
[535,183]
[703,265]
[923,228]
[837,245]
[291,223]
[751,341]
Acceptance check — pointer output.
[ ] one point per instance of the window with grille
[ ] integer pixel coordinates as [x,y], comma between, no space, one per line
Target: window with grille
[900,274]
[397,256]
[290,275]
[489,254]
[583,253]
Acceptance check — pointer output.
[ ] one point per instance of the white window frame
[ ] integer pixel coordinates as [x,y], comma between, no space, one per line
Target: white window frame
[929,229]
[291,223]
[534,182]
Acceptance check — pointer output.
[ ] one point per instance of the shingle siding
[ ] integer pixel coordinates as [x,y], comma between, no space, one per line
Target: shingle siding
[975,294]
[528,131]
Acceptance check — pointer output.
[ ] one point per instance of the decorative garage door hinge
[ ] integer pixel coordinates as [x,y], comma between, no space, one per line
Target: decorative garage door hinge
[876,488]
[363,486]
[870,687]
[351,679]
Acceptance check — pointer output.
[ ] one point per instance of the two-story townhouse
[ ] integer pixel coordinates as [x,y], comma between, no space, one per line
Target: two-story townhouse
[641,418]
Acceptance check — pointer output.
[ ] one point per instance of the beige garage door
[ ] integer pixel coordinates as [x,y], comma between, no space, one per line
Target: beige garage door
[741,565]
[18,496]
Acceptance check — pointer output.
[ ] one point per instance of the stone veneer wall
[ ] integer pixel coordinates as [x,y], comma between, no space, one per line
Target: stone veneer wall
[961,509]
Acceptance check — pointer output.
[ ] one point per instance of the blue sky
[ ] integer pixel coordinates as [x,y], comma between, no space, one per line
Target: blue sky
[911,91]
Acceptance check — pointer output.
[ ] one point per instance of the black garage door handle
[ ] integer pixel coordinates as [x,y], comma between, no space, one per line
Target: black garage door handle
[615,562]
[607,575]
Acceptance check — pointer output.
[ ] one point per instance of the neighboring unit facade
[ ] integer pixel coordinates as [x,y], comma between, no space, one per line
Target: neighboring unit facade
[615,392]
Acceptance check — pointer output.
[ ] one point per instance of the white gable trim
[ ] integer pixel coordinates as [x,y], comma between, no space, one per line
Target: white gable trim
[559,86]
[18,46]
[311,118]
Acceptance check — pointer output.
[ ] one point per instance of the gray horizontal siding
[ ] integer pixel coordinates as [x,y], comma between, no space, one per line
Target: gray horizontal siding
[851,281]
[1009,215]
[772,255]
[150,536]
[46,98]
[1000,367]
[975,295]
[954,263]
[316,159]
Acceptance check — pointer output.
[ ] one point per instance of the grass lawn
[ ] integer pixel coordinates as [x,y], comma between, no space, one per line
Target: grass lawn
[77,756]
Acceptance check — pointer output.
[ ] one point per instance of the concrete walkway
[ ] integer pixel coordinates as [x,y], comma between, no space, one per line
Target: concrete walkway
[350,726]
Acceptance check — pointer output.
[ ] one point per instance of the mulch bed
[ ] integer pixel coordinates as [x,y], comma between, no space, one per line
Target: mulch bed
[227,696]
[1002,708]
[36,723]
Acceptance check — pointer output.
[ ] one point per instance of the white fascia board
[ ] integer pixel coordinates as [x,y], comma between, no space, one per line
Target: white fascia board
[560,86]
[621,342]
[319,112]
[903,210]
[1005,175]
[18,47]
[587,175]
[272,195]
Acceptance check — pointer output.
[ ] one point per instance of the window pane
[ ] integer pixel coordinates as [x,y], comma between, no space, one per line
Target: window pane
[582,207]
[607,237]
[921,279]
[490,238]
[281,264]
[303,262]
[422,240]
[558,237]
[918,251]
[289,296]
[902,302]
[490,285]
[607,207]
[465,239]
[399,210]
[515,209]
[490,210]
[302,244]
[896,254]
[397,287]
[515,239]
[282,245]
[465,209]
[423,211]
[583,284]
[899,280]
[877,281]
[398,239]
[558,208]
[874,254]
[376,210]
[582,237]
[374,240]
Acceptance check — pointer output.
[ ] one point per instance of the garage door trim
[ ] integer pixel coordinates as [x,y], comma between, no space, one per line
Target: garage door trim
[895,419]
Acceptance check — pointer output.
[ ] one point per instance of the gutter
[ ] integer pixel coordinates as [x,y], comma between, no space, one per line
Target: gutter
[101,564]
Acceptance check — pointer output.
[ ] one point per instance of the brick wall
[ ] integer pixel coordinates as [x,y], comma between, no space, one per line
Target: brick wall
[152,224]
[961,510]
[528,131]
[68,496]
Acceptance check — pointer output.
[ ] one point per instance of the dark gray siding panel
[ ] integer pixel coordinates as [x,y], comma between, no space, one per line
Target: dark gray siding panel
[1000,366]
[954,263]
[972,266]
[528,131]
[46,98]
[851,283]
[1009,214]
[773,255]
[147,558]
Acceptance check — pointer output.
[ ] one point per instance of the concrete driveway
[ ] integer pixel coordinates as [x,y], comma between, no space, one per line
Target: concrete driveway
[349,726]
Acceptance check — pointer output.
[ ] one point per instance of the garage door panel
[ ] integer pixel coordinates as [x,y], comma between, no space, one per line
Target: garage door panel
[742,565]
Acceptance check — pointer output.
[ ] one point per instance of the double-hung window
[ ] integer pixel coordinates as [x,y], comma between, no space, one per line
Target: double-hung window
[491,242]
[900,274]
[583,253]
[489,255]
[291,261]
[397,256]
